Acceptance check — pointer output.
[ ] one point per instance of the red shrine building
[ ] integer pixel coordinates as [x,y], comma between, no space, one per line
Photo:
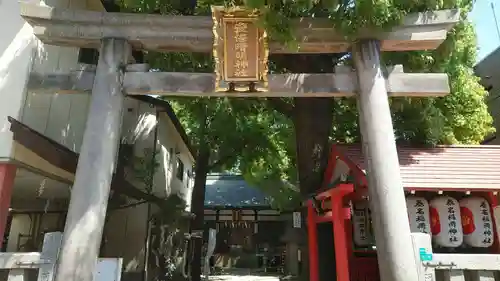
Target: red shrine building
[451,194]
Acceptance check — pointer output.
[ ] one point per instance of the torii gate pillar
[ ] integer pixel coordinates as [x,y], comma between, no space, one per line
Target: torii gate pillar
[89,196]
[392,231]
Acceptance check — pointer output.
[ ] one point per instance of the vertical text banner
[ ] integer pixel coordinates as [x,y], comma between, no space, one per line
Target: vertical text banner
[240,50]
[241,55]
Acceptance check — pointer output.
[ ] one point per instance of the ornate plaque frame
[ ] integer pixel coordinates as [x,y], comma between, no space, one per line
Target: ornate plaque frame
[222,17]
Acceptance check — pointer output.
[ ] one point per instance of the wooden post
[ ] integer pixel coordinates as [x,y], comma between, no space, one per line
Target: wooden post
[387,200]
[339,236]
[312,235]
[7,175]
[90,192]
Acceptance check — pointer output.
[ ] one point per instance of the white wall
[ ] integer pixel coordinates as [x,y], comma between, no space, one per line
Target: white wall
[59,117]
[17,47]
[62,117]
[20,53]
[139,129]
[124,236]
[167,170]
[125,229]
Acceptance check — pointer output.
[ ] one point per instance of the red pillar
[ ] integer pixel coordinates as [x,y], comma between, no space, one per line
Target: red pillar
[312,235]
[7,175]
[339,236]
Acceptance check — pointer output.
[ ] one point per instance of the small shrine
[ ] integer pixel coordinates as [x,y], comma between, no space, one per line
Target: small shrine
[249,230]
[451,194]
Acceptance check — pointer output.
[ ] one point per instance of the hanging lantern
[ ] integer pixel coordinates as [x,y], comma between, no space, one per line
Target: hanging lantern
[477,222]
[418,214]
[446,227]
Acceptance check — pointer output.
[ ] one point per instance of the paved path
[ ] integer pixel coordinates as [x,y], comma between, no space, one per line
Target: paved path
[230,277]
[243,275]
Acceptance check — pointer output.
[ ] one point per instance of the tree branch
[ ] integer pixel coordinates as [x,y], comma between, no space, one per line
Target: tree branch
[227,156]
[281,106]
[220,161]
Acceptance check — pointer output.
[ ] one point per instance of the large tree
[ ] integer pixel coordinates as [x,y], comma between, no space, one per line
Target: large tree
[298,131]
[205,120]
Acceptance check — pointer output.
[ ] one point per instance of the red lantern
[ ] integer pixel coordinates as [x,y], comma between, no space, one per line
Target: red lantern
[435,221]
[468,225]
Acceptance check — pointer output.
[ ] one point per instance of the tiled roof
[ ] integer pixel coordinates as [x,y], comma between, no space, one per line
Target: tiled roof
[443,167]
[232,191]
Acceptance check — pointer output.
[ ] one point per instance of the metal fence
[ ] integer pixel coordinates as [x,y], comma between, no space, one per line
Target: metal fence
[453,267]
[108,269]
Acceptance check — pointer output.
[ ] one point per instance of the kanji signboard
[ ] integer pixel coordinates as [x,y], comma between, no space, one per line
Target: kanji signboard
[240,50]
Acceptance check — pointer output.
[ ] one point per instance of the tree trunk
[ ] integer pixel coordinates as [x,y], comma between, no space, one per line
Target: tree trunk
[198,197]
[198,206]
[312,120]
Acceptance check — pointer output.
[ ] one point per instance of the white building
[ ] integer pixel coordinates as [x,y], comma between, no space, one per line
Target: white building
[41,134]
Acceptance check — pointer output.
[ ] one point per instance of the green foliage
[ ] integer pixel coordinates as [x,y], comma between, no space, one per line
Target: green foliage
[349,17]
[167,243]
[242,134]
[171,211]
[258,138]
[271,165]
[462,116]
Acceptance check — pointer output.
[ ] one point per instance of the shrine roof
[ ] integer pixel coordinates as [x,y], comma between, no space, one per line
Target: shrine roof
[470,168]
[232,191]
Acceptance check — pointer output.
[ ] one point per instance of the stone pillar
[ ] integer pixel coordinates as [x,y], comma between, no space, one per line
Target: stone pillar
[89,194]
[387,199]
[7,175]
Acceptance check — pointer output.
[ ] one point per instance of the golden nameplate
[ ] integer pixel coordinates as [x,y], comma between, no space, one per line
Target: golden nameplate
[240,50]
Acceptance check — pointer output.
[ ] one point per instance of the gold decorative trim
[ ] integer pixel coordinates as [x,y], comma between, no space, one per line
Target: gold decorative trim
[242,14]
[264,60]
[216,15]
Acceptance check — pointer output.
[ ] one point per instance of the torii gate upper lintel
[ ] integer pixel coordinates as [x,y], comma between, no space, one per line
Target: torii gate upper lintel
[116,33]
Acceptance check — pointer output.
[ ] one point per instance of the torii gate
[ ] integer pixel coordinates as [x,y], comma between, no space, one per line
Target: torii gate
[117,33]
